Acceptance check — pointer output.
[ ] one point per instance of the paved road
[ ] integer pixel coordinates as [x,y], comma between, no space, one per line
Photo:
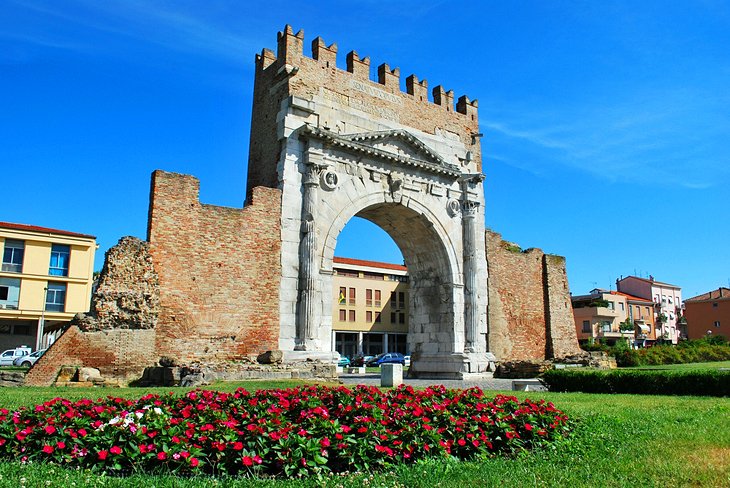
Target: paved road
[485,383]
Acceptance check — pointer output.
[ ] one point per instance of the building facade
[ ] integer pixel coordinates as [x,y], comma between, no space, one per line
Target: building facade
[370,307]
[601,315]
[667,300]
[45,279]
[708,314]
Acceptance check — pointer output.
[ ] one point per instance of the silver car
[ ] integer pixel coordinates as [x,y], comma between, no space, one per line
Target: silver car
[29,359]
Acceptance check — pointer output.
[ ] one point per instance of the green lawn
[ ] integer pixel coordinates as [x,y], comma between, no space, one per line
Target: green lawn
[712,365]
[619,440]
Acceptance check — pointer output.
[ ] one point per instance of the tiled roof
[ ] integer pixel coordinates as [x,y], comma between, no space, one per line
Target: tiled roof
[654,282]
[43,230]
[631,297]
[711,295]
[372,264]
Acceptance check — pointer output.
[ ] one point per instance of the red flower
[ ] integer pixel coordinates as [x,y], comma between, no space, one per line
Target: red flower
[48,449]
[162,455]
[528,427]
[115,450]
[247,461]
[50,429]
[61,445]
[194,462]
[103,454]
[237,446]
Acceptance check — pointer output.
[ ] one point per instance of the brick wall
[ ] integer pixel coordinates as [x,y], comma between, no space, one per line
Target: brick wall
[529,313]
[118,354]
[219,270]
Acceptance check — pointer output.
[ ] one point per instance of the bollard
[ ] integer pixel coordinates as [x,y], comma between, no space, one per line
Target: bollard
[391,375]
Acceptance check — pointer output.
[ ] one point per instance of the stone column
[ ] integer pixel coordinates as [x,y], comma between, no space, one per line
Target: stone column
[470,211]
[308,301]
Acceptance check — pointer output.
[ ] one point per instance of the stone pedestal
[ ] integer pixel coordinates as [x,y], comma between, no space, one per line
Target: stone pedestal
[456,366]
[391,375]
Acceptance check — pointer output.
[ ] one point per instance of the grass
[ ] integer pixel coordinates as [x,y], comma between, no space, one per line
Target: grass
[685,366]
[619,440]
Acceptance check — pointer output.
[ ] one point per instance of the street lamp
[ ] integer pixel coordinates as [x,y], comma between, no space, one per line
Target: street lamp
[42,321]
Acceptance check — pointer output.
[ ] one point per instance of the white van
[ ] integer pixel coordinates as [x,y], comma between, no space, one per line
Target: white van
[7,357]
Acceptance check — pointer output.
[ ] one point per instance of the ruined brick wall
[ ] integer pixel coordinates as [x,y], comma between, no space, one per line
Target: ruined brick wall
[120,355]
[219,271]
[530,316]
[290,72]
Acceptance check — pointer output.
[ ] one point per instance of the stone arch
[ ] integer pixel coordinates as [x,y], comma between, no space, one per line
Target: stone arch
[429,252]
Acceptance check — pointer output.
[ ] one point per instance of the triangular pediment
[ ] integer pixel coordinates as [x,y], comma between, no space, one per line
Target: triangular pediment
[395,145]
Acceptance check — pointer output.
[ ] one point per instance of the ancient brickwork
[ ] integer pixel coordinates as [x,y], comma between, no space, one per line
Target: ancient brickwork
[289,72]
[219,270]
[120,355]
[530,316]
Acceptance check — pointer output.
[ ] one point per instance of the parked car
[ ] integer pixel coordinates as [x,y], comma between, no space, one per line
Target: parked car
[30,359]
[408,360]
[343,362]
[387,358]
[9,356]
[360,360]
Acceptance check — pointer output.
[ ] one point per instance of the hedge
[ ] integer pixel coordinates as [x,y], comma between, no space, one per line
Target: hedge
[643,382]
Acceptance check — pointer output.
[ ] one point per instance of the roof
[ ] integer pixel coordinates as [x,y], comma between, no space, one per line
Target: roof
[721,293]
[42,230]
[372,264]
[653,282]
[631,297]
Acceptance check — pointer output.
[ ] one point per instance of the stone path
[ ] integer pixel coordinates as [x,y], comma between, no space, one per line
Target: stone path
[485,383]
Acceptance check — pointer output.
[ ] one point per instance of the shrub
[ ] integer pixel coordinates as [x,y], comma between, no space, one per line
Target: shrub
[644,382]
[292,432]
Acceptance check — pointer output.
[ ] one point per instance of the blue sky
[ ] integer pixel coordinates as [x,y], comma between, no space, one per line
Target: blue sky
[607,124]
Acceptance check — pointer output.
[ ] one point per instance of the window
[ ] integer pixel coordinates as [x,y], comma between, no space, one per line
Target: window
[343,295]
[377,317]
[606,326]
[13,256]
[669,300]
[622,305]
[647,311]
[9,293]
[717,323]
[56,297]
[402,318]
[611,305]
[714,305]
[368,297]
[352,296]
[587,326]
[377,298]
[343,315]
[369,317]
[21,330]
[352,315]
[59,260]
[401,299]
[664,299]
[374,276]
[393,318]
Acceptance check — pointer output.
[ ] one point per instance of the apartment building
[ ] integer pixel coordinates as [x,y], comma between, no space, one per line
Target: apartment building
[370,307]
[708,314]
[45,279]
[607,316]
[667,300]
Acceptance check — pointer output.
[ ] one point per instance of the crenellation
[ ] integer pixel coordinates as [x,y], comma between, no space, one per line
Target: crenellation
[290,45]
[389,78]
[326,55]
[265,59]
[464,106]
[443,98]
[419,89]
[360,68]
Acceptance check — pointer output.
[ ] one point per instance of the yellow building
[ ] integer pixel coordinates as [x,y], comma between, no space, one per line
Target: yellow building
[370,307]
[45,279]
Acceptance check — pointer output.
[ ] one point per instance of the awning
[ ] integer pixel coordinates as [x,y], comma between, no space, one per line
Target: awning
[644,328]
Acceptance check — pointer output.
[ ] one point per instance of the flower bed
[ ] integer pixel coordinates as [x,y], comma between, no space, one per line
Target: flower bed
[297,431]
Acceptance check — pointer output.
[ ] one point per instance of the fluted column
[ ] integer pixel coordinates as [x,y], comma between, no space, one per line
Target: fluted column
[308,298]
[470,210]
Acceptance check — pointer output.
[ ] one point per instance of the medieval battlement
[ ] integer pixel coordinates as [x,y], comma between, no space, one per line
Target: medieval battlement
[290,51]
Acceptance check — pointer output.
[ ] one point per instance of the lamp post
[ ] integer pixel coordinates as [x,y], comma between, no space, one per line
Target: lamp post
[41,322]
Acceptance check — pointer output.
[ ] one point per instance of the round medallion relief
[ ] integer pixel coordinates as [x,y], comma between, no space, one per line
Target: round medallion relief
[329,179]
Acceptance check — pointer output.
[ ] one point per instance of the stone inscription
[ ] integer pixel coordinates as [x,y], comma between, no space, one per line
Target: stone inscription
[370,108]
